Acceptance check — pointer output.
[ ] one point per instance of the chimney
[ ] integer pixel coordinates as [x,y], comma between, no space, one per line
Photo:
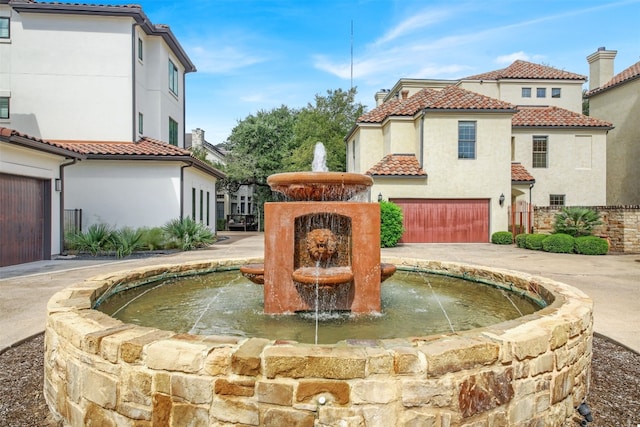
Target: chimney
[380,96]
[197,137]
[600,67]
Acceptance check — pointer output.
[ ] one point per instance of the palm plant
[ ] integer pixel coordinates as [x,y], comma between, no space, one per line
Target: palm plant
[188,233]
[576,221]
[126,241]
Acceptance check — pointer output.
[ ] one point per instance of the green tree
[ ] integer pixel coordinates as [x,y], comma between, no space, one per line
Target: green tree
[327,121]
[576,221]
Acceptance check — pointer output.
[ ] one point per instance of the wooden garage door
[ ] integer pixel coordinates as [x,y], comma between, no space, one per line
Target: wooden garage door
[24,220]
[445,220]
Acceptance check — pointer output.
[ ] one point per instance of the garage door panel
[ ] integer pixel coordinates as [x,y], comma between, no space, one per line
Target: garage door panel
[445,220]
[22,219]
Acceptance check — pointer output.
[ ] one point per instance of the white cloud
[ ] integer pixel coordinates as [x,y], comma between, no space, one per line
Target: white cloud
[416,22]
[222,59]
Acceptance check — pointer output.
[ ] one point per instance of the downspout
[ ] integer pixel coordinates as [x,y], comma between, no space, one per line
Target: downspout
[184,106]
[531,208]
[61,175]
[133,82]
[422,139]
[182,189]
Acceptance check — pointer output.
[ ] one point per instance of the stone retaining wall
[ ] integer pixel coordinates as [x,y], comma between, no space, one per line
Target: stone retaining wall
[527,372]
[621,225]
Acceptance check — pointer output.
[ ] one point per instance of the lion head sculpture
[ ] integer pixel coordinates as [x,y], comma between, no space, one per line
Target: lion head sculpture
[321,244]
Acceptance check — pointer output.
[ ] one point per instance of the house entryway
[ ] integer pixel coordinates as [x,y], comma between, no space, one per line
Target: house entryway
[445,220]
[25,224]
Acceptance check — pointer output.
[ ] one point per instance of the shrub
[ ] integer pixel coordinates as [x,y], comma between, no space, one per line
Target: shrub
[502,238]
[576,221]
[558,243]
[534,241]
[96,239]
[591,245]
[521,240]
[125,241]
[189,234]
[152,238]
[391,228]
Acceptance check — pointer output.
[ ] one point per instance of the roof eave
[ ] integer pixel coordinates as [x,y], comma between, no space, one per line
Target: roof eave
[520,182]
[598,91]
[556,127]
[41,146]
[192,161]
[470,110]
[425,176]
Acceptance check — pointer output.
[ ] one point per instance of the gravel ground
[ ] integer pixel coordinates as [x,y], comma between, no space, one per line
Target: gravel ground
[614,397]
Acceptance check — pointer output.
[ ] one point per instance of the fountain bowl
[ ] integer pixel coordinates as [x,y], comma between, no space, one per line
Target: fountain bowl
[319,186]
[534,370]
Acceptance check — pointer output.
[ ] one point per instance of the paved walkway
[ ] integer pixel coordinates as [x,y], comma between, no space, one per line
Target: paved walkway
[613,281]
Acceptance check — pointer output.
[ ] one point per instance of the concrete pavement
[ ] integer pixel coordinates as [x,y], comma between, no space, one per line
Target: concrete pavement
[612,281]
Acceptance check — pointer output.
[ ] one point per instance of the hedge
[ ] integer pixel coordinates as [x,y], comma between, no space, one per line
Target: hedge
[591,245]
[534,241]
[559,243]
[391,227]
[521,240]
[502,238]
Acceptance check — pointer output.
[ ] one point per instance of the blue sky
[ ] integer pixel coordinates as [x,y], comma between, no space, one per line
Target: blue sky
[257,55]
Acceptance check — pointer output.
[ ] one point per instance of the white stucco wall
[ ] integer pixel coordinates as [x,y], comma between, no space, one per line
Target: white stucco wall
[21,161]
[70,77]
[621,106]
[369,147]
[576,166]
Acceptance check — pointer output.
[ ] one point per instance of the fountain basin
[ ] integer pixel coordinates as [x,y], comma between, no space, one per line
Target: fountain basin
[534,369]
[317,186]
[325,277]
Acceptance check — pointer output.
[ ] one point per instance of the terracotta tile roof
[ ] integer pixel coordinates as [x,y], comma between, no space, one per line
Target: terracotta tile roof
[449,98]
[144,147]
[38,143]
[398,165]
[520,174]
[629,74]
[554,117]
[527,70]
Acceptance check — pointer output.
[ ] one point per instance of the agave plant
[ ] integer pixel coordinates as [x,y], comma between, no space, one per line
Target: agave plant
[96,239]
[126,241]
[188,233]
[576,221]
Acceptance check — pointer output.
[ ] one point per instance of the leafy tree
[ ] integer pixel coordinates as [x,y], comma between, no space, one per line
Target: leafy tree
[328,121]
[391,227]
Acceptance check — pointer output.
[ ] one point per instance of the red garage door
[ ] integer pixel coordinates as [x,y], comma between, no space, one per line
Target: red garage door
[24,219]
[445,220]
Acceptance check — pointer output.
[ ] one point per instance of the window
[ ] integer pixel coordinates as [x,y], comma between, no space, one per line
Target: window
[555,92]
[540,152]
[541,92]
[140,124]
[173,132]
[466,140]
[208,200]
[201,204]
[4,107]
[4,28]
[173,78]
[556,199]
[140,51]
[193,203]
[526,92]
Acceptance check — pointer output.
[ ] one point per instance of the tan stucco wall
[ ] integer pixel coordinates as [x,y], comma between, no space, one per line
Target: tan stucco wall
[572,170]
[621,106]
[511,91]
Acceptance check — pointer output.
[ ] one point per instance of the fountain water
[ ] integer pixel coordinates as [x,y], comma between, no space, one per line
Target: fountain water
[309,245]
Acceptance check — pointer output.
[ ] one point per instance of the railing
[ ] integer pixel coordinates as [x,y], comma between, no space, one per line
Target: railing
[72,220]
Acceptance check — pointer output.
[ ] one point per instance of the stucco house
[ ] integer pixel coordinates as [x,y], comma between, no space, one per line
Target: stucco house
[107,84]
[455,154]
[616,98]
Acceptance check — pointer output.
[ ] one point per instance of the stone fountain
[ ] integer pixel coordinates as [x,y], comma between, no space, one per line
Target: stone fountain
[531,370]
[309,244]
